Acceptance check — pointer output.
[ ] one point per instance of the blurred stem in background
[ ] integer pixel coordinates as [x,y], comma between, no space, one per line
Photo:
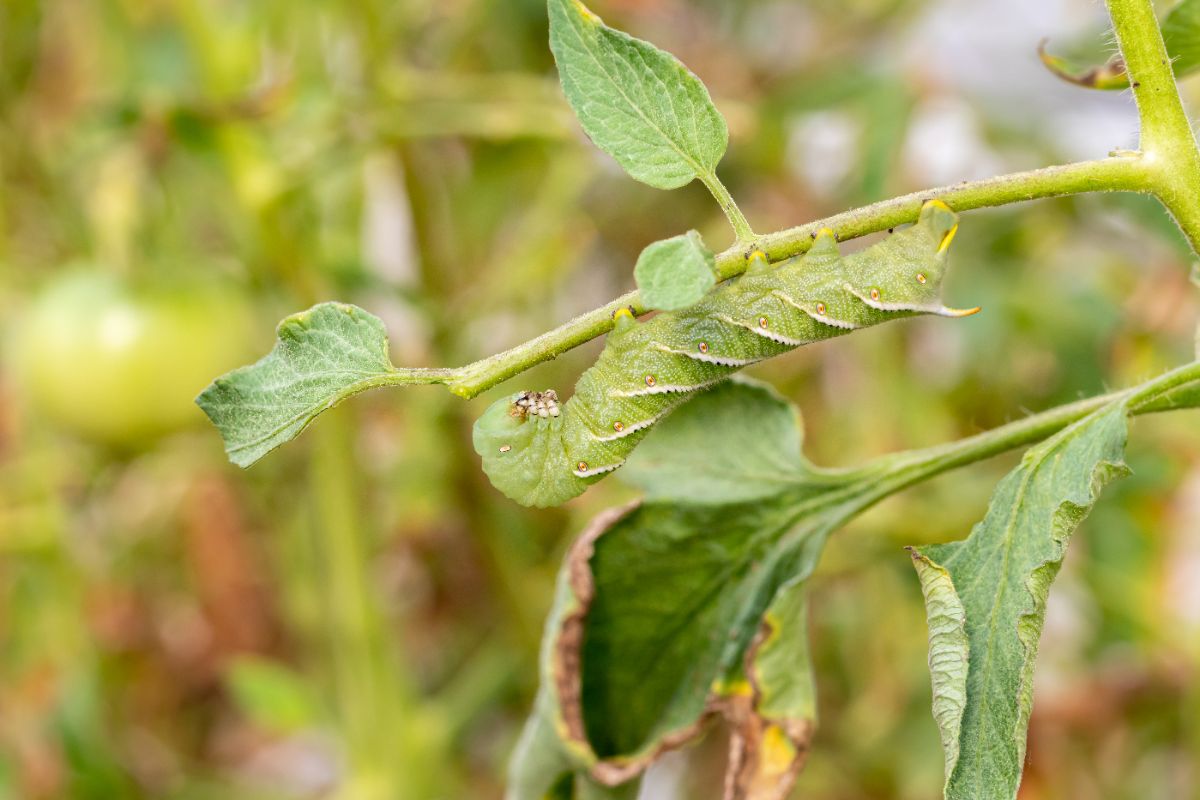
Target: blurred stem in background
[393,743]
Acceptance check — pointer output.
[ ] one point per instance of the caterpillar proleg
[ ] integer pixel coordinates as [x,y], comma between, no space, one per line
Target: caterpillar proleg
[541,454]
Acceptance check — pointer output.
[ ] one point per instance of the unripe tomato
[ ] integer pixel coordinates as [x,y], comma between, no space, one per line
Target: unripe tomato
[119,363]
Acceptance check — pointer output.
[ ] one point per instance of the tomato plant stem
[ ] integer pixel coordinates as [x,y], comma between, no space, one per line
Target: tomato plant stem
[1168,144]
[906,469]
[741,226]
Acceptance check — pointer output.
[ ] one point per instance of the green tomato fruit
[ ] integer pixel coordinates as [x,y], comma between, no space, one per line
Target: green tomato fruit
[120,364]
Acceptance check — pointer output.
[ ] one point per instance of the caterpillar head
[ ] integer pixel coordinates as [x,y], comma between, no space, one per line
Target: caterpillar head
[904,273]
[520,440]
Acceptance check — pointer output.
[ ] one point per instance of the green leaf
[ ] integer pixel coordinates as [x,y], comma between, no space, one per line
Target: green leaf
[677,595]
[1181,32]
[691,605]
[986,601]
[683,458]
[637,103]
[1107,76]
[322,356]
[668,611]
[656,608]
[675,273]
[781,668]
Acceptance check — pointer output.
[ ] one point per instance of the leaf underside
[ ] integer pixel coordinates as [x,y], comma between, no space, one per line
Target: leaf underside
[321,357]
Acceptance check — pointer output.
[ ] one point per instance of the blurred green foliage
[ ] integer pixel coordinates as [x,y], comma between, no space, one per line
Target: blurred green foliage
[357,617]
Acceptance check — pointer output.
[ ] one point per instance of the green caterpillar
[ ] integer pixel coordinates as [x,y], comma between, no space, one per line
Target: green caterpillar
[541,454]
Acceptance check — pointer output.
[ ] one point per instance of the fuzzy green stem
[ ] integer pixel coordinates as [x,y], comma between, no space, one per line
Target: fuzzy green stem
[741,227]
[1168,392]
[1167,141]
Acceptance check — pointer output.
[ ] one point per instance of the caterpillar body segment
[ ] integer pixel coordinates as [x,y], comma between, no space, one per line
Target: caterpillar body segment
[542,455]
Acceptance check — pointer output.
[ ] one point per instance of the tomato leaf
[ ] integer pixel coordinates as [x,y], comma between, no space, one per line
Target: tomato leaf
[637,103]
[690,605]
[986,596]
[668,612]
[321,357]
[773,712]
[1181,32]
[675,273]
[986,601]
[684,462]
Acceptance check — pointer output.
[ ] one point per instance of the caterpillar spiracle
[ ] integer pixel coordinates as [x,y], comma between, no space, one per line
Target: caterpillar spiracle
[542,454]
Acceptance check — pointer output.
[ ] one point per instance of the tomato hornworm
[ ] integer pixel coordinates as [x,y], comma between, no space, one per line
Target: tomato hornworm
[541,453]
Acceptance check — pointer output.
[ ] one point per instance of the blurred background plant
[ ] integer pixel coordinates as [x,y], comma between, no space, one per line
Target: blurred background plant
[358,616]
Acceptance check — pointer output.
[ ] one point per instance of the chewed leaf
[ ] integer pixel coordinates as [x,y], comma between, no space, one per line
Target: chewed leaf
[773,710]
[675,273]
[322,356]
[637,103]
[986,601]
[664,610]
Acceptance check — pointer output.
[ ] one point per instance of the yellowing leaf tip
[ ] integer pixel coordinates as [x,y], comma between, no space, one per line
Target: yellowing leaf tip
[586,13]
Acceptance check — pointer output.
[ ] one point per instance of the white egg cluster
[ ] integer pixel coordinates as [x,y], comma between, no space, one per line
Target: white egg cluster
[538,404]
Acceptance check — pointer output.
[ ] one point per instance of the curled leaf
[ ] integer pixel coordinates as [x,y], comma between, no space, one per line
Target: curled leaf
[986,601]
[1108,76]
[773,712]
[1181,34]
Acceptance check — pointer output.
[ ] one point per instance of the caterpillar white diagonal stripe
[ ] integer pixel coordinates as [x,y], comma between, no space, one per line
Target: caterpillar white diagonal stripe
[541,453]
